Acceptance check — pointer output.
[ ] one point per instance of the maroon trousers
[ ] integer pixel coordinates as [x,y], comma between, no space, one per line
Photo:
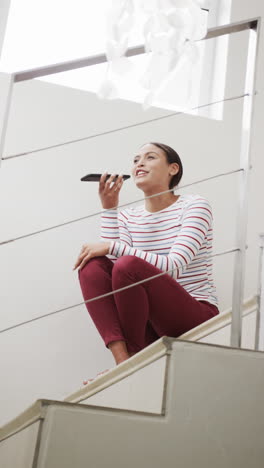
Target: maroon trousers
[141,314]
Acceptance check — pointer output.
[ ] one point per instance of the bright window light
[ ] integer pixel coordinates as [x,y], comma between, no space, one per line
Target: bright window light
[41,32]
[44,32]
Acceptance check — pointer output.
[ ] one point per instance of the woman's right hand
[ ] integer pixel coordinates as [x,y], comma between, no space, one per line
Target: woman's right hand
[109,194]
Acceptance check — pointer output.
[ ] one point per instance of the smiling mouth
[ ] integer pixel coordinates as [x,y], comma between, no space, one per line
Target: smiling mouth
[141,173]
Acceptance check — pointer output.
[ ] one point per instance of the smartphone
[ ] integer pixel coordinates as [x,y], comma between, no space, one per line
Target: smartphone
[96,177]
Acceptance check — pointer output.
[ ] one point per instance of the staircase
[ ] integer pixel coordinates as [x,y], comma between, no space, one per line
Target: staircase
[176,403]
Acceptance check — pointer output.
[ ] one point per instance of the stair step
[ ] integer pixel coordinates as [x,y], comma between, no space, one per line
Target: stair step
[211,413]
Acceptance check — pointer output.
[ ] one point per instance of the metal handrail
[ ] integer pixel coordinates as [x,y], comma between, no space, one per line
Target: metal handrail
[98,213]
[37,72]
[111,293]
[253,25]
[119,129]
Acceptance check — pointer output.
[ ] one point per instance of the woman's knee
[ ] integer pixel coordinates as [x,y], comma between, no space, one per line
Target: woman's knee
[127,263]
[94,266]
[126,270]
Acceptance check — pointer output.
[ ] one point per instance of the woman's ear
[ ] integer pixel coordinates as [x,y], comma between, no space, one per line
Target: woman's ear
[174,169]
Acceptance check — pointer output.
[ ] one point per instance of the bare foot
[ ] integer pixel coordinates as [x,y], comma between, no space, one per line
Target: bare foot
[85,382]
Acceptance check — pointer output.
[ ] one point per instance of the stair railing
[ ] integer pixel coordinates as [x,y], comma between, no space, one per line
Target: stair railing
[253,25]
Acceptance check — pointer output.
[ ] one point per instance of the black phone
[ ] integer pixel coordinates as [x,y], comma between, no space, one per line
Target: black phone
[96,177]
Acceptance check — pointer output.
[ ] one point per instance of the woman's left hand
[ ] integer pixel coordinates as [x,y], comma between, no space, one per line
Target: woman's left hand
[91,250]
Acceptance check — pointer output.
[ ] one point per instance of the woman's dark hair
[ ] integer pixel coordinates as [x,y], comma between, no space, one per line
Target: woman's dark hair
[172,157]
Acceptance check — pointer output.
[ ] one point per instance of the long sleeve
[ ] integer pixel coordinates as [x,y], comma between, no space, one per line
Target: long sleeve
[189,240]
[113,227]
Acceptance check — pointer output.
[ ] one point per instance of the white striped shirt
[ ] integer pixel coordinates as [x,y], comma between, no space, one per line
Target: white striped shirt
[177,238]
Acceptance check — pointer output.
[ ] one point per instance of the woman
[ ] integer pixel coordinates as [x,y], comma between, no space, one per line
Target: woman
[171,233]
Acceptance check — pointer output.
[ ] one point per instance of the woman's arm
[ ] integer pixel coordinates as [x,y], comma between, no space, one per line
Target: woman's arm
[109,195]
[113,227]
[196,222]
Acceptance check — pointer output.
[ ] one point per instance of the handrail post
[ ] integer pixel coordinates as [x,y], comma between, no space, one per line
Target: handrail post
[245,152]
[259,337]
[6,90]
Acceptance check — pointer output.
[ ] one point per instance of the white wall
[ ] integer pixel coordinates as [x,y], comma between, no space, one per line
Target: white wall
[4,10]
[50,357]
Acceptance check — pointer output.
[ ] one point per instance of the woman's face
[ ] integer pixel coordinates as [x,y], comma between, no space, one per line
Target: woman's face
[151,170]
